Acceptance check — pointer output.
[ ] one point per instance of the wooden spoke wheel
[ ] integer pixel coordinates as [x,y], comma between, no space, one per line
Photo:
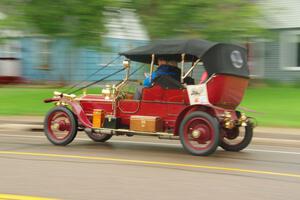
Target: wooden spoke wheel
[236,139]
[60,126]
[199,133]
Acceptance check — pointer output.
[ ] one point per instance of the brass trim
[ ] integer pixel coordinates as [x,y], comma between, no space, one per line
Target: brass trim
[182,67]
[152,66]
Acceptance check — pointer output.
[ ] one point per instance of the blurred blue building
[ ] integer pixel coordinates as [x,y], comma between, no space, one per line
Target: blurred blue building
[58,60]
[277,57]
[38,58]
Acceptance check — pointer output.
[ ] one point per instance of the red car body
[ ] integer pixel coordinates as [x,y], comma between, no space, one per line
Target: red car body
[203,116]
[171,105]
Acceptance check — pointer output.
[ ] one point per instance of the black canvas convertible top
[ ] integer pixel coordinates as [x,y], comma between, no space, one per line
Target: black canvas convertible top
[216,57]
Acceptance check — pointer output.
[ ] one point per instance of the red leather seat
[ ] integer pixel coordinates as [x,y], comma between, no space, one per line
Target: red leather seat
[204,77]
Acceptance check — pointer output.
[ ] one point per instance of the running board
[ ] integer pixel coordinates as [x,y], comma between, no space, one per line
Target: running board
[160,135]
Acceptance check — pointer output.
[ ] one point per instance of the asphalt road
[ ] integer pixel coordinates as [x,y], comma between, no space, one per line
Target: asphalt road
[145,168]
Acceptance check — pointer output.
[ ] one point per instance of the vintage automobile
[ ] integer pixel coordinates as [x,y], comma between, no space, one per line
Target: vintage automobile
[202,116]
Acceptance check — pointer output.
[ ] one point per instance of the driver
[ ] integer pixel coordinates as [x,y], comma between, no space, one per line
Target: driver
[165,67]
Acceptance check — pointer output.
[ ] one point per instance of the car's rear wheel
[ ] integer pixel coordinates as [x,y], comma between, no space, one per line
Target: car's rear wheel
[60,126]
[199,133]
[237,138]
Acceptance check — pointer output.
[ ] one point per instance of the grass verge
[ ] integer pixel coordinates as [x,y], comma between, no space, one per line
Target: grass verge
[274,106]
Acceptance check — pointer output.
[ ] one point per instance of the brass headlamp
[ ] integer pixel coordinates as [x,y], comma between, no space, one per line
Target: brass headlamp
[126,63]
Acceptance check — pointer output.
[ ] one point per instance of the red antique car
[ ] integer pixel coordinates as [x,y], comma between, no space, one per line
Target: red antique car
[202,116]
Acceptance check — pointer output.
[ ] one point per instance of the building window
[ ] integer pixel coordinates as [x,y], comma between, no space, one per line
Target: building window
[290,50]
[10,59]
[298,53]
[10,49]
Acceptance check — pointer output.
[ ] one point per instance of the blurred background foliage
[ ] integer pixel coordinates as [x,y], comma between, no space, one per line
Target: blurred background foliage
[83,20]
[216,20]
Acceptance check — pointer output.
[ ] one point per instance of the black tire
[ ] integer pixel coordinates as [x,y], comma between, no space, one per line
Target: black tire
[212,129]
[72,126]
[242,144]
[98,137]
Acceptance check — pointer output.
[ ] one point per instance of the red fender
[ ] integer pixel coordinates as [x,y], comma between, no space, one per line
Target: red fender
[77,110]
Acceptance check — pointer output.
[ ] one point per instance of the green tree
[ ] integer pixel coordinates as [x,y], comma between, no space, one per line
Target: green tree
[83,20]
[218,20]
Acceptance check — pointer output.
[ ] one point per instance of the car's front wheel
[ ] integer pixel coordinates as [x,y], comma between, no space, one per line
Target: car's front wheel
[60,126]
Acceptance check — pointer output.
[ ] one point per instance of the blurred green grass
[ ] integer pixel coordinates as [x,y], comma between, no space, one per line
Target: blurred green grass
[274,106]
[24,101]
[28,101]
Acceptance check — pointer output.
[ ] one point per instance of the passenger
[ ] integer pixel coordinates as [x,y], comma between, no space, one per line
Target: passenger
[165,67]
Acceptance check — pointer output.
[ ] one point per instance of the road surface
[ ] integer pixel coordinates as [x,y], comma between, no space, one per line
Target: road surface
[145,168]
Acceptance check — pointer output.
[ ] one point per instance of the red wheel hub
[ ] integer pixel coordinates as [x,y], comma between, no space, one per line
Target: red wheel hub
[59,125]
[63,126]
[198,132]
